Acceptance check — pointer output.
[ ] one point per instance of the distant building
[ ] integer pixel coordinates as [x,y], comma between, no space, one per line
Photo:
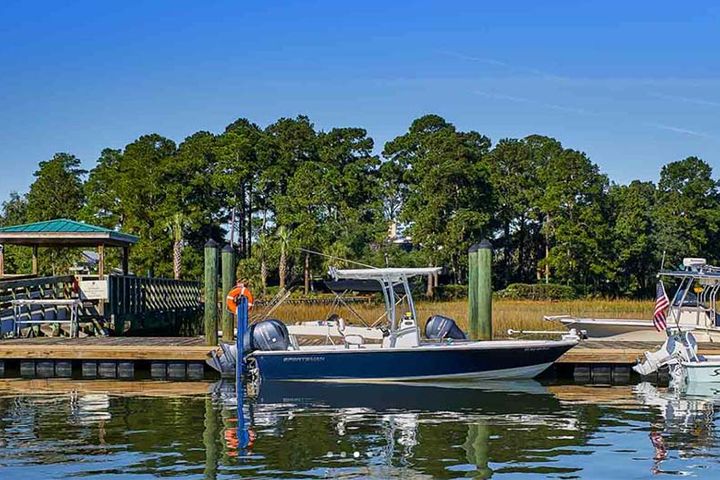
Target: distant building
[396,236]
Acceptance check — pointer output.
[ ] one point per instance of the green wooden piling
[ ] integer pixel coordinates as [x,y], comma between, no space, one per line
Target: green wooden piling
[472,292]
[477,449]
[228,282]
[211,434]
[484,261]
[211,292]
[480,291]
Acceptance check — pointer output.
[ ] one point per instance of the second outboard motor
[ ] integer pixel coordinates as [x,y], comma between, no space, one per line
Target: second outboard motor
[267,335]
[439,328]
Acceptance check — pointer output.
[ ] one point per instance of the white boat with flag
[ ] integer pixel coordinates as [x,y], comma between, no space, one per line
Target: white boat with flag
[270,352]
[692,306]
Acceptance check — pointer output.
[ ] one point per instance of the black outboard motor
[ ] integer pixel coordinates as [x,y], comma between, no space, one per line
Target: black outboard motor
[440,328]
[267,335]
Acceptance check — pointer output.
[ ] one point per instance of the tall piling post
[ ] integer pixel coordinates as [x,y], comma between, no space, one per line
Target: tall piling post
[211,292]
[472,292]
[480,291]
[227,260]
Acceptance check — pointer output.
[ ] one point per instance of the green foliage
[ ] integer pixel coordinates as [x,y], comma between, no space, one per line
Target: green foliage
[14,212]
[277,191]
[636,254]
[450,292]
[688,210]
[57,191]
[537,291]
[447,199]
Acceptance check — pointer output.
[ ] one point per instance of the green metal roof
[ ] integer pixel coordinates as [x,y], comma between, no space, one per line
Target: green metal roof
[62,231]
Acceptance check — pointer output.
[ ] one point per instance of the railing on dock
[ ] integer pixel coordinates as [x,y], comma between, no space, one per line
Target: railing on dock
[142,306]
[58,287]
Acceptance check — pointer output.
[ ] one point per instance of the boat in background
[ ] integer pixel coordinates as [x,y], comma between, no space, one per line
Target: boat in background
[273,353]
[693,308]
[680,355]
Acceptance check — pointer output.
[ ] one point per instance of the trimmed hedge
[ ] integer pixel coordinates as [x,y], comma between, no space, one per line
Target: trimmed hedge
[537,291]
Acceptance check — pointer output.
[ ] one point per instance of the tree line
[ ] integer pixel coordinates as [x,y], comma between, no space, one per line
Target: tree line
[277,192]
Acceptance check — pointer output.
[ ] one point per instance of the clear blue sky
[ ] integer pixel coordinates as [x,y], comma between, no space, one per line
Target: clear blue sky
[633,84]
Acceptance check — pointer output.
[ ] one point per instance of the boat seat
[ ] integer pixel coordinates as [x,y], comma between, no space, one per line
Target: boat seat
[356,341]
[294,343]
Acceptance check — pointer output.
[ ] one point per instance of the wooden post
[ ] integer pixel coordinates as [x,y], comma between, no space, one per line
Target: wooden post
[101,261]
[480,291]
[227,258]
[35,259]
[211,434]
[472,292]
[477,449]
[125,260]
[211,292]
[484,261]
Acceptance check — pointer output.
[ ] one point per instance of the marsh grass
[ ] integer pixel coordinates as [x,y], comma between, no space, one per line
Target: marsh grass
[507,314]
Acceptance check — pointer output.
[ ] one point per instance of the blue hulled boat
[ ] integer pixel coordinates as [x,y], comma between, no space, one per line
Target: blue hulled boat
[443,353]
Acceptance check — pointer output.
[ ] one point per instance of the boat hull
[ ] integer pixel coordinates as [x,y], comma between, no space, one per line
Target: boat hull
[705,371]
[472,361]
[631,330]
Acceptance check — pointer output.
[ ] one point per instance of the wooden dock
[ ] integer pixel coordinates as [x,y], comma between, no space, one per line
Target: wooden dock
[106,348]
[184,358]
[128,358]
[619,353]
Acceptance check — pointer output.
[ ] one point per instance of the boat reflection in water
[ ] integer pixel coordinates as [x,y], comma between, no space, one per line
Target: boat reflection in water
[686,424]
[61,429]
[383,423]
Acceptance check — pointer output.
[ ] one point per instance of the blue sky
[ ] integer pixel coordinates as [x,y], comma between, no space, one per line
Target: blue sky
[633,84]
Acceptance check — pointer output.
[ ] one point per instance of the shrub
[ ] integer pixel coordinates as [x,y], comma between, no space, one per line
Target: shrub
[537,291]
[450,292]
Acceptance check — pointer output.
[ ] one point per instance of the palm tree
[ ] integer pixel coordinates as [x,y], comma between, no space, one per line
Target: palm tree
[261,244]
[176,230]
[284,237]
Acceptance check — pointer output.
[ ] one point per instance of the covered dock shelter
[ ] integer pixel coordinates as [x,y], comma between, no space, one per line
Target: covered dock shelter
[62,232]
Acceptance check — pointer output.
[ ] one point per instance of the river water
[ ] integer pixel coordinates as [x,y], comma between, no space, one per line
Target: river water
[111,429]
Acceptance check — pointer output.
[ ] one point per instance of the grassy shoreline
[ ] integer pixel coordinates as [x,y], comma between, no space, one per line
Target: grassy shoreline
[507,314]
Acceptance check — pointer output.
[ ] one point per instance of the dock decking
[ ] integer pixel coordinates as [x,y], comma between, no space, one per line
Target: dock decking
[619,353]
[106,348]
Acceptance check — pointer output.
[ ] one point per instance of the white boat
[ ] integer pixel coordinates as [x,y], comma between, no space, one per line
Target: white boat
[692,308]
[272,353]
[680,354]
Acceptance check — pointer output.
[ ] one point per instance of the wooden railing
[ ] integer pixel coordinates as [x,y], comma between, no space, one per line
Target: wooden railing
[143,306]
[59,287]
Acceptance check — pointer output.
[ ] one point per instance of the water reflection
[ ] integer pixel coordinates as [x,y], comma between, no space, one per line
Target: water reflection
[197,429]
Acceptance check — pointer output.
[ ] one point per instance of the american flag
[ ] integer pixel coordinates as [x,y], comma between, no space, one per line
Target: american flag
[661,307]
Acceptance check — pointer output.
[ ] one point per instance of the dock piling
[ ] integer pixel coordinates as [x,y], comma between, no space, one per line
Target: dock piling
[480,290]
[472,292]
[211,292]
[228,282]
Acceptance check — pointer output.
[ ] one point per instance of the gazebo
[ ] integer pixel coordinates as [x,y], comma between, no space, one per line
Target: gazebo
[62,232]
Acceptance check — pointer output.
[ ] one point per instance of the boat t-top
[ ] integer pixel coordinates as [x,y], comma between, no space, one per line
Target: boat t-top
[271,352]
[693,306]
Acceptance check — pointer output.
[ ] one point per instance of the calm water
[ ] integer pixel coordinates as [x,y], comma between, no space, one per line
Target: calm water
[65,429]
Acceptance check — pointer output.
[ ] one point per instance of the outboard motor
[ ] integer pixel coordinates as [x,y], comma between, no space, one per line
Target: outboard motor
[267,335]
[440,328]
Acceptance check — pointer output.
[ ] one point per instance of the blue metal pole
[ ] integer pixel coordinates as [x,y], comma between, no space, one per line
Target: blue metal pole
[242,319]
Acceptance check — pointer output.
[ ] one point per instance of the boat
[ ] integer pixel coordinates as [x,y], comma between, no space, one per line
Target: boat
[680,355]
[271,353]
[693,308]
